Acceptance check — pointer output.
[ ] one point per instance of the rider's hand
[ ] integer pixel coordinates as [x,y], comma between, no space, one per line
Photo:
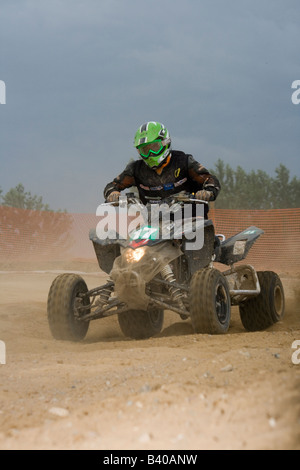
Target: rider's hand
[182,196]
[204,195]
[114,196]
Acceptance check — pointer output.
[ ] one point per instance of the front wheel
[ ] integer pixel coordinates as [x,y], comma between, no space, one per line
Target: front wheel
[268,307]
[63,300]
[141,324]
[210,304]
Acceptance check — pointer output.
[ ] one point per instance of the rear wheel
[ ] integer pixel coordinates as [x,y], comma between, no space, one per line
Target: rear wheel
[141,324]
[268,307]
[63,300]
[210,305]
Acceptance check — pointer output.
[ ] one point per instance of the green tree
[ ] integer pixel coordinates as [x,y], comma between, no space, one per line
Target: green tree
[256,189]
[18,197]
[28,227]
[285,193]
[21,199]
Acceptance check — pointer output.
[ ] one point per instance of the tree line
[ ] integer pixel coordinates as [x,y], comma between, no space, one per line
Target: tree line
[21,199]
[239,190]
[256,189]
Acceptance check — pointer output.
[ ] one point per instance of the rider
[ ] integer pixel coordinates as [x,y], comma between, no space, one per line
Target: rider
[162,171]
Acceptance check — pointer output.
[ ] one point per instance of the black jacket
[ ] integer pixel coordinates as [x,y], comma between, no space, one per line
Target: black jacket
[182,173]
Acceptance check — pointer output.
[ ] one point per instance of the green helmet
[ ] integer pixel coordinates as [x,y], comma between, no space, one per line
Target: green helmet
[153,143]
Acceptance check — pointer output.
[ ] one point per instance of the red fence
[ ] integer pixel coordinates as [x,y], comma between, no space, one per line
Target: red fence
[278,248]
[46,236]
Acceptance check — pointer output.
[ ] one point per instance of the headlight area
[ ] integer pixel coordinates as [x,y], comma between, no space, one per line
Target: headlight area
[133,256]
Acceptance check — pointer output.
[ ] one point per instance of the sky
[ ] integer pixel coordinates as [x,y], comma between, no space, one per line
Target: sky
[82,75]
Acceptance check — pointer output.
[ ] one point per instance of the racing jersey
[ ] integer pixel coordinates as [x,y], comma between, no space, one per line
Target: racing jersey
[182,173]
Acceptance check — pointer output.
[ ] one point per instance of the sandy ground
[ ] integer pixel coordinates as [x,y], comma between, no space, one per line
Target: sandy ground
[178,390]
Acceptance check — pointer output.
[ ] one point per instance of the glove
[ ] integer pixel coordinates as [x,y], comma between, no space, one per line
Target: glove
[113,197]
[204,195]
[182,196]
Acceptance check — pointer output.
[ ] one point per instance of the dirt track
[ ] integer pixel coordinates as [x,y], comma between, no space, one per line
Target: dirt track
[176,391]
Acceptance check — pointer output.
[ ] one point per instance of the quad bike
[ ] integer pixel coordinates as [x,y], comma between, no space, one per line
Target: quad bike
[153,270]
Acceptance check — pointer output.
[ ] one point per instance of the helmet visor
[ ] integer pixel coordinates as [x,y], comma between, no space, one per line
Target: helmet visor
[153,147]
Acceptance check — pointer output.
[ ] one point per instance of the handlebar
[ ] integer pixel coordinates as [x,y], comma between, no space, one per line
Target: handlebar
[179,197]
[187,197]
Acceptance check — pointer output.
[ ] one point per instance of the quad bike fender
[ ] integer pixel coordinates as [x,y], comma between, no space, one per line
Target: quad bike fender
[107,250]
[236,248]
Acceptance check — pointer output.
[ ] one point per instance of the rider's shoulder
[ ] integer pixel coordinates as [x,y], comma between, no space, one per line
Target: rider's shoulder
[131,165]
[183,156]
[180,154]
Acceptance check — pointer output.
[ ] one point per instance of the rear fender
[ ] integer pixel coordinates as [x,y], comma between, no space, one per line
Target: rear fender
[236,248]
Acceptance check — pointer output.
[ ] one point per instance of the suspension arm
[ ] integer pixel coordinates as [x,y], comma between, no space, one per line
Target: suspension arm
[170,284]
[97,291]
[168,306]
[102,312]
